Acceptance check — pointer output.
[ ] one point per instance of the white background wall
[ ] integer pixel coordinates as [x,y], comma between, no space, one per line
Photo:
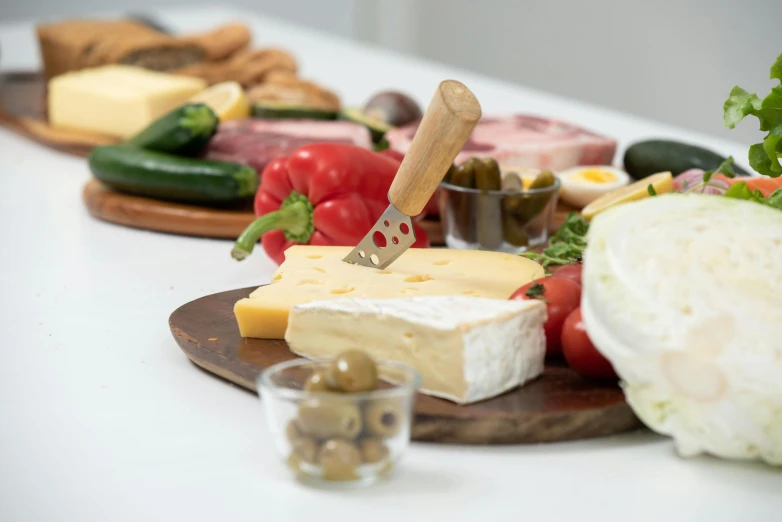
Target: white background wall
[673,61]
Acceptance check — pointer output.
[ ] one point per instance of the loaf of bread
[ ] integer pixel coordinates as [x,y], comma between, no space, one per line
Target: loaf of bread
[77,44]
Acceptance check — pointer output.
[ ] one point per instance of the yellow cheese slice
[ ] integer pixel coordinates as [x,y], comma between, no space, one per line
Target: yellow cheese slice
[317,273]
[116,100]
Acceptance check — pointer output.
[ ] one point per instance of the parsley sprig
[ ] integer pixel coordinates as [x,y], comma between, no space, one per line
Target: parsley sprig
[566,246]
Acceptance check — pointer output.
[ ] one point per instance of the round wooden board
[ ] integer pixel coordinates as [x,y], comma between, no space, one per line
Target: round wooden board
[557,406]
[178,218]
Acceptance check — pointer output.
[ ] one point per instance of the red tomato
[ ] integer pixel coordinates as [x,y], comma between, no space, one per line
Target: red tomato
[572,272]
[562,296]
[579,351]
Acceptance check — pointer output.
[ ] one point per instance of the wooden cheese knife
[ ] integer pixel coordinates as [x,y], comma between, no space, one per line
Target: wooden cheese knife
[441,135]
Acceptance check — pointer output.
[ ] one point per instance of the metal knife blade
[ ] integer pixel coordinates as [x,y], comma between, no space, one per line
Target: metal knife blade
[447,124]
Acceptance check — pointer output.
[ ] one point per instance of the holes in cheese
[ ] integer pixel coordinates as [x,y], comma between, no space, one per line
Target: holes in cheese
[417,278]
[486,274]
[344,290]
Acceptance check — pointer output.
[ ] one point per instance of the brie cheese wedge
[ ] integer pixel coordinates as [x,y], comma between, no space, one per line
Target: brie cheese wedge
[466,348]
[683,295]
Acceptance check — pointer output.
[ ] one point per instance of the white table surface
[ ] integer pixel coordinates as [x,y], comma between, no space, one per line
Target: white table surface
[103,418]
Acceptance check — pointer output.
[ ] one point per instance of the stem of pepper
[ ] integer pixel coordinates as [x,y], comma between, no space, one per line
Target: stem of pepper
[294,218]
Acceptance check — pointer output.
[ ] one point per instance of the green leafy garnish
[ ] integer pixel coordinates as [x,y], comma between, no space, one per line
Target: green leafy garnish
[763,157]
[741,191]
[566,246]
[650,190]
[536,291]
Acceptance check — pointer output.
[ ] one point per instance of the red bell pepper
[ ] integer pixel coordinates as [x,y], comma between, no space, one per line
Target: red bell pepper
[322,194]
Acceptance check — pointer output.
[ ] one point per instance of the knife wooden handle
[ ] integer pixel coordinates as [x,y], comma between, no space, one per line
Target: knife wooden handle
[443,131]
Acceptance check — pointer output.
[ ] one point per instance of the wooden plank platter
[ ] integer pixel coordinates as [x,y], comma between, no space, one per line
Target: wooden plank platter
[557,406]
[23,110]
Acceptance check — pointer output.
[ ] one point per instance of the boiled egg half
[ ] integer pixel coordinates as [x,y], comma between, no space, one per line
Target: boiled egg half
[582,185]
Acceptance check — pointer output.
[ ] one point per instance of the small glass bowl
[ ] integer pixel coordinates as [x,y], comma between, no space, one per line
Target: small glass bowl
[337,440]
[509,221]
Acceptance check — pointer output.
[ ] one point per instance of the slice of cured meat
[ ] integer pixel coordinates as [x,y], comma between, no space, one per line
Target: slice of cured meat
[525,141]
[256,142]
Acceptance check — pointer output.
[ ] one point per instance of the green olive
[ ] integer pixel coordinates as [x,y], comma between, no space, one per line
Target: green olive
[317,382]
[373,450]
[292,431]
[339,459]
[306,449]
[352,371]
[324,419]
[383,418]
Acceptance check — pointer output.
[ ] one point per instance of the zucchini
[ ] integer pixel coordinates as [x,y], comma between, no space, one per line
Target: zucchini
[645,158]
[377,128]
[184,131]
[276,110]
[164,176]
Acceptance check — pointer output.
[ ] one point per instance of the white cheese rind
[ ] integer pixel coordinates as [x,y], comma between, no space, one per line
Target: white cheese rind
[683,294]
[467,349]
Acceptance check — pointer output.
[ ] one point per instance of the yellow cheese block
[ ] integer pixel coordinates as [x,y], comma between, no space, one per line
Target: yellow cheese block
[316,273]
[117,100]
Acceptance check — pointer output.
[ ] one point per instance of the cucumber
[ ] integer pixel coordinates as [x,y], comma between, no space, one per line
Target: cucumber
[286,111]
[377,128]
[164,176]
[650,157]
[184,131]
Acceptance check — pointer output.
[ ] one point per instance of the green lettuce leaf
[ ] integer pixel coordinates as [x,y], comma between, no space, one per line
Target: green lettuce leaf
[763,157]
[775,199]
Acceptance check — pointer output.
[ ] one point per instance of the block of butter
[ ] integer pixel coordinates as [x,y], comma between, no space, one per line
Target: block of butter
[466,349]
[317,273]
[116,100]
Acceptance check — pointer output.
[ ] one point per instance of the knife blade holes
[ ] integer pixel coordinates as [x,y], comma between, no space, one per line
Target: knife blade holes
[379,239]
[375,260]
[361,254]
[395,240]
[404,229]
[386,223]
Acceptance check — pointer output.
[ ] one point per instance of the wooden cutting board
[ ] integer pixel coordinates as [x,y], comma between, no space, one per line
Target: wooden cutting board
[178,218]
[558,406]
[23,110]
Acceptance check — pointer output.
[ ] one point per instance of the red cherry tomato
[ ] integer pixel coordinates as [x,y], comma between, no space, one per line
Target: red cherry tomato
[572,272]
[579,351]
[561,296]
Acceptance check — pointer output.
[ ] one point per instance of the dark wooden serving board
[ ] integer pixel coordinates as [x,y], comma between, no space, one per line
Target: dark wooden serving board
[558,406]
[23,110]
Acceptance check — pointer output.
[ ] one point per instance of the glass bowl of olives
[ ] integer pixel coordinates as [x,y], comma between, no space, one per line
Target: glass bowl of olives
[342,422]
[483,206]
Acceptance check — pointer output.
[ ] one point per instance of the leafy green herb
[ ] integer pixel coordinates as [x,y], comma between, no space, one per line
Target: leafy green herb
[741,191]
[763,157]
[566,246]
[536,291]
[650,190]
[725,169]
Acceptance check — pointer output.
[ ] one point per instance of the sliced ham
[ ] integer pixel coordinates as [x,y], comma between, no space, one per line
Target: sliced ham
[525,141]
[256,142]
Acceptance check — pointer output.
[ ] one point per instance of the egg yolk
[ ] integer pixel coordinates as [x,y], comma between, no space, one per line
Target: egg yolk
[595,176]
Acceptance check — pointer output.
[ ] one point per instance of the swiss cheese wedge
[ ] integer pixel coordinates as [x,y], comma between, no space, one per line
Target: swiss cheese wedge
[317,273]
